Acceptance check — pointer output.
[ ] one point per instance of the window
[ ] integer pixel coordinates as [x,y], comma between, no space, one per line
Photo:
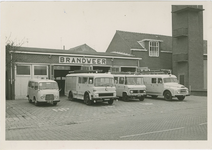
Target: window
[121,80]
[154,48]
[36,86]
[84,80]
[104,81]
[40,70]
[80,80]
[160,80]
[32,84]
[154,80]
[114,69]
[90,80]
[23,70]
[115,80]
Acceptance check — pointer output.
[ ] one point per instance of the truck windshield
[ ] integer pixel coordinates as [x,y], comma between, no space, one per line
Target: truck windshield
[48,85]
[134,81]
[167,80]
[104,81]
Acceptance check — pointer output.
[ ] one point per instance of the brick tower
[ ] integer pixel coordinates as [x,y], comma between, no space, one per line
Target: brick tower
[187,45]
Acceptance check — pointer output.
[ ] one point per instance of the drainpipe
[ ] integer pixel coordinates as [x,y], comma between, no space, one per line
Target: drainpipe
[11,75]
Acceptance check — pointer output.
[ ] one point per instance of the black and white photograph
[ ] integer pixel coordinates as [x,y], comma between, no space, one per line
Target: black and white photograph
[105,75]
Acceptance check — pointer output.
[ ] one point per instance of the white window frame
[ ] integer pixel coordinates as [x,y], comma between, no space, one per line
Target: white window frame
[16,69]
[154,49]
[116,68]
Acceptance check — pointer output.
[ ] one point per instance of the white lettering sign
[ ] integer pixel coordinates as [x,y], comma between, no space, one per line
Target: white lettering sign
[82,60]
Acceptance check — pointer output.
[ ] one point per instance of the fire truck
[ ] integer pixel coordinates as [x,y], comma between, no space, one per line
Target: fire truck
[163,83]
[129,86]
[90,86]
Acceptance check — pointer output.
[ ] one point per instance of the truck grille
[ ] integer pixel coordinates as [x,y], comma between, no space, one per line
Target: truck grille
[49,97]
[183,90]
[105,94]
[138,91]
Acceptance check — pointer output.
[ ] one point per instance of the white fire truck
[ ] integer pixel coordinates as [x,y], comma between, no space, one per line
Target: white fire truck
[164,85]
[90,87]
[129,86]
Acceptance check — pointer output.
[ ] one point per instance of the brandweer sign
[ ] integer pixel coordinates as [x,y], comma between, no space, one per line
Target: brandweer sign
[81,60]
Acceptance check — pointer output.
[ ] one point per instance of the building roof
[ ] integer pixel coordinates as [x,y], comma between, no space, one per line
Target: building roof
[82,48]
[79,50]
[132,39]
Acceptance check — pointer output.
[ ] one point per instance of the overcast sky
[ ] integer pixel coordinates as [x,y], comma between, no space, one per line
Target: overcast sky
[54,24]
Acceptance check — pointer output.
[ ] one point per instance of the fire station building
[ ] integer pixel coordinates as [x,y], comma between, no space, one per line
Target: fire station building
[24,63]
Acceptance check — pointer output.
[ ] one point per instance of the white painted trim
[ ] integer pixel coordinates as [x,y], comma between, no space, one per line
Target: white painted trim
[143,50]
[151,40]
[83,55]
[166,51]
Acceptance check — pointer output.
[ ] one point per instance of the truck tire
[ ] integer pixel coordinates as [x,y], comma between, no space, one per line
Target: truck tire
[141,98]
[36,102]
[125,97]
[87,100]
[154,96]
[70,96]
[30,101]
[181,98]
[110,102]
[54,103]
[167,95]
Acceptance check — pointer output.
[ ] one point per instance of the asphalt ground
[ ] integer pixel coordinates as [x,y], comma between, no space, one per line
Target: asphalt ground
[151,119]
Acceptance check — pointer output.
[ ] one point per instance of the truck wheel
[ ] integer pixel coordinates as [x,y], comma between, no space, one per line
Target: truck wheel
[70,96]
[181,98]
[54,103]
[154,96]
[110,102]
[125,97]
[168,95]
[141,98]
[87,100]
[36,103]
[30,101]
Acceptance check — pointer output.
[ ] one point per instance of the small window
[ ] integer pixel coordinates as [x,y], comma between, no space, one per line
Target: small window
[90,80]
[80,80]
[29,84]
[153,80]
[115,69]
[154,49]
[121,80]
[160,80]
[36,86]
[84,80]
[115,80]
[40,70]
[32,84]
[23,70]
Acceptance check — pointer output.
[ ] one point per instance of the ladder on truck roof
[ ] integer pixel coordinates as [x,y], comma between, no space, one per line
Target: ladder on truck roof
[161,71]
[85,71]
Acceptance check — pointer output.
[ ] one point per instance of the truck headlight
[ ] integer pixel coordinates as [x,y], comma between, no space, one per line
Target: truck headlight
[56,97]
[42,97]
[96,95]
[131,91]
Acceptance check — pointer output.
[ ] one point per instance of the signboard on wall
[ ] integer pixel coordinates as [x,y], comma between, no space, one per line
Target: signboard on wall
[82,60]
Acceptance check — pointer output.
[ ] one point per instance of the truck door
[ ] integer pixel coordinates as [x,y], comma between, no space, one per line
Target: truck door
[121,86]
[159,86]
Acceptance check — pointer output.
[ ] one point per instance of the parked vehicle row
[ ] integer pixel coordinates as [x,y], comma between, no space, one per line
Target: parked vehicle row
[106,87]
